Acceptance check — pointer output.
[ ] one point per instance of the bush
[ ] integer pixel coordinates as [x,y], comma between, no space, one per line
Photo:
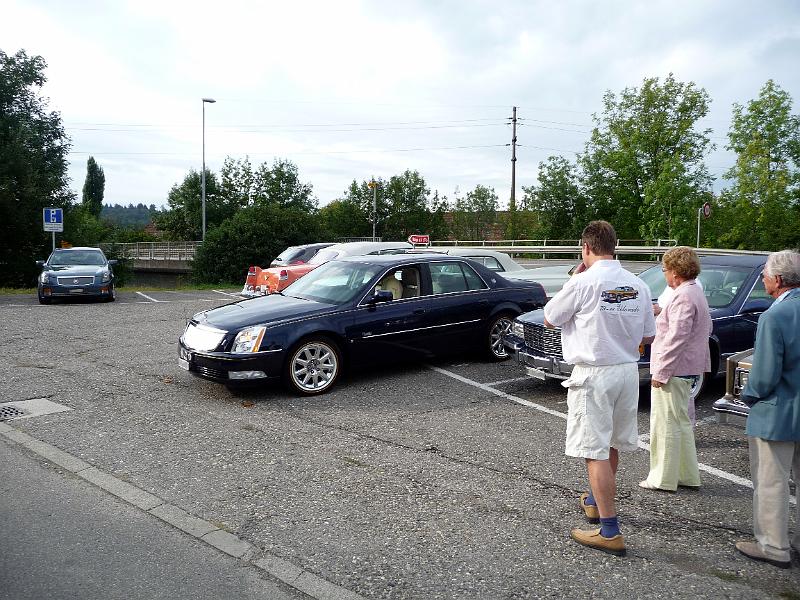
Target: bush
[253,236]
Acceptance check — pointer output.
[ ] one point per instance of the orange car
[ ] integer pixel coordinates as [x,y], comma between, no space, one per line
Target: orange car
[275,279]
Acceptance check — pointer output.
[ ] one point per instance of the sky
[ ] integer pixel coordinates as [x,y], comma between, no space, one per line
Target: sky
[349,90]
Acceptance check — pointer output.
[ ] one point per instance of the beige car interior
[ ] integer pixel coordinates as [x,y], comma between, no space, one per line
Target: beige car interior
[403,283]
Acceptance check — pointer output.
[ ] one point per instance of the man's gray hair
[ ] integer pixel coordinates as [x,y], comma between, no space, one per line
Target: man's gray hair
[785,263]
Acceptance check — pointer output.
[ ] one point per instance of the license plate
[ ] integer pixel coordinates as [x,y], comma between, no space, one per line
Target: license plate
[76,291]
[183,363]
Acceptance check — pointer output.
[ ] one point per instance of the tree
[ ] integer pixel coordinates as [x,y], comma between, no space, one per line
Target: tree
[281,185]
[253,236]
[643,166]
[762,207]
[94,187]
[33,167]
[183,219]
[558,201]
[344,218]
[407,211]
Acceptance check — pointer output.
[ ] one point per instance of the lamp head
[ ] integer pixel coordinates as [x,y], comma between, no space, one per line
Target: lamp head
[209,100]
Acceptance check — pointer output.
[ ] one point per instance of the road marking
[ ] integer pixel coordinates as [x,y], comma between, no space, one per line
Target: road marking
[226,293]
[150,298]
[642,444]
[504,381]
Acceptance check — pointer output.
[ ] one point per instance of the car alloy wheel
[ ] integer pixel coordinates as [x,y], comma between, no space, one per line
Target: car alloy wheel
[697,388]
[499,327]
[314,366]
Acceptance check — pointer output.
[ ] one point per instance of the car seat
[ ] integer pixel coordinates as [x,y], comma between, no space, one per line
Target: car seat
[391,284]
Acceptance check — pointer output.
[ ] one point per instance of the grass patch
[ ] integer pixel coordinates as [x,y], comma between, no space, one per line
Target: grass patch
[790,595]
[5,291]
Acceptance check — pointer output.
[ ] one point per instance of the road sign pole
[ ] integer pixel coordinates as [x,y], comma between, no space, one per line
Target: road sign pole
[699,213]
[54,241]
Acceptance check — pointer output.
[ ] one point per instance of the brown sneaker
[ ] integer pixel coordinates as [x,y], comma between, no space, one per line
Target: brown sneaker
[754,551]
[592,538]
[591,512]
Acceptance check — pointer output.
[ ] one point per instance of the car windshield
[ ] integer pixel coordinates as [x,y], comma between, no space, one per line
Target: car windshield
[721,283]
[334,282]
[65,258]
[290,253]
[323,256]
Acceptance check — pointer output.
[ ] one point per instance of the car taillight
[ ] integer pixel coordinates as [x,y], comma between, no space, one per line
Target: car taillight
[283,275]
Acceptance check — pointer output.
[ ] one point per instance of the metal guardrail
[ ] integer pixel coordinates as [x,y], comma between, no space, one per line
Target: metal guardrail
[620,251]
[545,242]
[174,251]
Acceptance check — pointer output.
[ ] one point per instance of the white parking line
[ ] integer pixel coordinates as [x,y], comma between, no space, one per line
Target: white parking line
[226,293]
[504,381]
[643,445]
[150,298]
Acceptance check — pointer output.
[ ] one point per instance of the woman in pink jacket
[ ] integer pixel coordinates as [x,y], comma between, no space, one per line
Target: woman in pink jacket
[678,356]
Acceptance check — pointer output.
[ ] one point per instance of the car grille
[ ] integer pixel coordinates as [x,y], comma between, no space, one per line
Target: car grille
[82,280]
[543,340]
[202,337]
[211,373]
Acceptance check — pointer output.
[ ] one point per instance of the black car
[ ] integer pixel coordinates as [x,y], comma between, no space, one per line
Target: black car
[75,273]
[353,311]
[736,298]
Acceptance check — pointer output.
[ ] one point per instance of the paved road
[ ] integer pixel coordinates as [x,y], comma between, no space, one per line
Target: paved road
[65,539]
[441,480]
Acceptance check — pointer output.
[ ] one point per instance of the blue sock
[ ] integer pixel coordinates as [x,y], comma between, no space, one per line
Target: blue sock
[590,500]
[609,527]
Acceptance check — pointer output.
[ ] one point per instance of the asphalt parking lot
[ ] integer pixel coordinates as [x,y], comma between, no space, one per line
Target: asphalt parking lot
[434,480]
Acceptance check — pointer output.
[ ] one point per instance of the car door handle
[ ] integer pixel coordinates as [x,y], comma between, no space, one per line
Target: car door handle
[419,311]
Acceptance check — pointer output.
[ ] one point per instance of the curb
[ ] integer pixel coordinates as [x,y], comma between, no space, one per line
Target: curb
[279,568]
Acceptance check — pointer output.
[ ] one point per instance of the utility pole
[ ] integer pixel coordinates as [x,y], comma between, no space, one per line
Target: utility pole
[374,185]
[513,203]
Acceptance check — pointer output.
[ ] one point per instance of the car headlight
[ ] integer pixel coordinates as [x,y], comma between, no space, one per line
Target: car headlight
[518,329]
[44,277]
[106,276]
[248,340]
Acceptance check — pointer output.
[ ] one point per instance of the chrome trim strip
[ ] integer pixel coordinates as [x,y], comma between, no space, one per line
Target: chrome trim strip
[419,329]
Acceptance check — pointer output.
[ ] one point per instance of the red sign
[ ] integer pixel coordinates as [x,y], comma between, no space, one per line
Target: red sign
[419,239]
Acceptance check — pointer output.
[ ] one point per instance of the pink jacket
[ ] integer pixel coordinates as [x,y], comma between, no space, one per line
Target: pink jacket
[682,330]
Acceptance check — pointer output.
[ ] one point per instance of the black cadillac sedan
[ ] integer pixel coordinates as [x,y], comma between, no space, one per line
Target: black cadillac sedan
[736,298]
[354,311]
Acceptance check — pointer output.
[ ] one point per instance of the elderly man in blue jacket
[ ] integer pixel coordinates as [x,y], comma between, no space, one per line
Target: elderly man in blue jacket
[773,426]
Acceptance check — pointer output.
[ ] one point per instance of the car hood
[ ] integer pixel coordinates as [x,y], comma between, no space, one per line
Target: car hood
[265,310]
[77,270]
[535,317]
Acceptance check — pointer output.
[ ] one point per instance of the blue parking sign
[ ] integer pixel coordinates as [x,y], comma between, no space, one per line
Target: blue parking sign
[53,219]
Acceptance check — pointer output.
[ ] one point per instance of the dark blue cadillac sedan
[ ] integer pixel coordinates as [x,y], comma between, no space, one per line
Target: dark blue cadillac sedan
[736,298]
[76,272]
[357,310]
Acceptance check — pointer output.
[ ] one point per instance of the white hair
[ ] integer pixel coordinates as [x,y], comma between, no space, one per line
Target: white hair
[785,263]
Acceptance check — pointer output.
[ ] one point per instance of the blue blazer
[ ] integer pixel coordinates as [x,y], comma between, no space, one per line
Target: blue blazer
[773,386]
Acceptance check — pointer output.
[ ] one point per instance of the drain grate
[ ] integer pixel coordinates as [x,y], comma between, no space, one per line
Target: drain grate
[11,412]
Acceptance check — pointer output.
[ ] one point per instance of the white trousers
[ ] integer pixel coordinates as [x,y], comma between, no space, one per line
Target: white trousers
[770,466]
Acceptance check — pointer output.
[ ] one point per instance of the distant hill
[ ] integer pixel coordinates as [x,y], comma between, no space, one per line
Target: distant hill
[136,217]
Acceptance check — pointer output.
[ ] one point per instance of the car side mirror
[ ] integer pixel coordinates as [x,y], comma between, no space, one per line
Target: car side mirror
[112,262]
[382,296]
[40,263]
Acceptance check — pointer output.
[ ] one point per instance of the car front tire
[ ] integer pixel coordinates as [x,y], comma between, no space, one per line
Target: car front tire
[499,326]
[313,366]
[43,300]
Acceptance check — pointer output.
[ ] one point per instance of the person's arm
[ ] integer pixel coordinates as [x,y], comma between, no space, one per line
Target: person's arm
[561,307]
[767,360]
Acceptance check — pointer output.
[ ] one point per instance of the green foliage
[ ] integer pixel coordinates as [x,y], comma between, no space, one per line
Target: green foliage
[643,167]
[33,167]
[253,236]
[762,207]
[131,216]
[558,201]
[94,187]
[343,219]
[474,214]
[183,219]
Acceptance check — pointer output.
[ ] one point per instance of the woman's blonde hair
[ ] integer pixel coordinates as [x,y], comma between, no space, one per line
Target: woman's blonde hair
[683,261]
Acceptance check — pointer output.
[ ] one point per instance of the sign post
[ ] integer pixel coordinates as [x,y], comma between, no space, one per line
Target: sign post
[705,211]
[53,220]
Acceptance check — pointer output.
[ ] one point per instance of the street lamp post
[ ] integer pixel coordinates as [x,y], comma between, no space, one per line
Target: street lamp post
[203,173]
[374,185]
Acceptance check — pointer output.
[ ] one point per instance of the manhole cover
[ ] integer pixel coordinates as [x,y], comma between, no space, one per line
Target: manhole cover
[11,412]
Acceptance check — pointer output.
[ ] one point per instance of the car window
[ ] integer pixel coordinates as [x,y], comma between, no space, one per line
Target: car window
[490,262]
[454,277]
[403,283]
[722,283]
[654,279]
[291,253]
[759,292]
[323,256]
[64,258]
